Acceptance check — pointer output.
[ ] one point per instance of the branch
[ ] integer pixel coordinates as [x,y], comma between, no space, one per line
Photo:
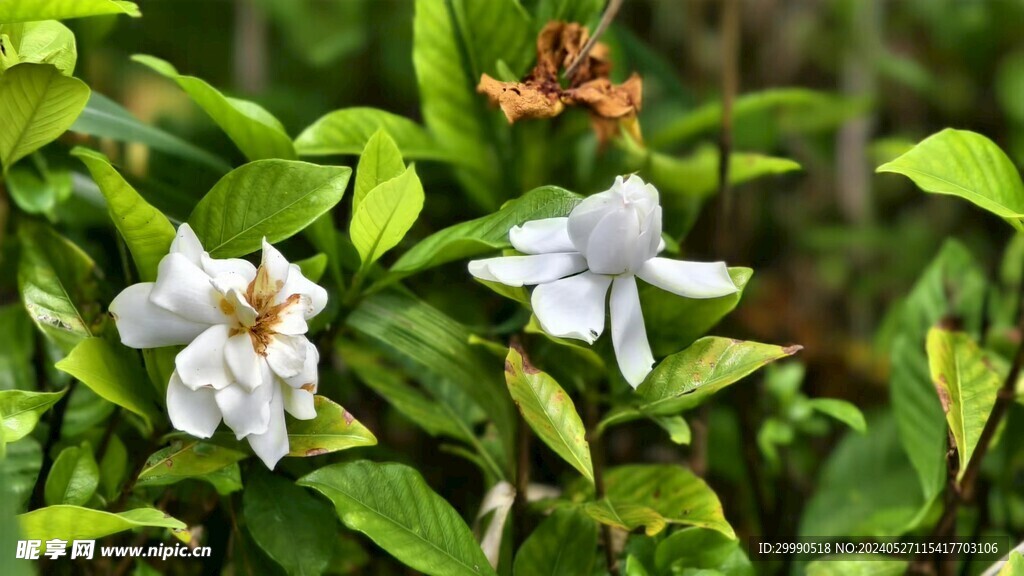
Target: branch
[606,20]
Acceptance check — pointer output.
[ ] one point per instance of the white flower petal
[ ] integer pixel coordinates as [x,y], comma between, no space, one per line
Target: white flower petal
[216,267]
[585,216]
[690,279]
[637,192]
[299,284]
[202,363]
[613,242]
[187,244]
[192,411]
[243,361]
[649,241]
[143,324]
[309,375]
[572,307]
[298,402]
[286,355]
[272,445]
[183,288]
[629,336]
[247,412]
[291,317]
[545,236]
[527,270]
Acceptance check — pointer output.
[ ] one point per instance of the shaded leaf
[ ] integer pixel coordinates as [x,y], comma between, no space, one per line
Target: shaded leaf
[16,349]
[392,505]
[841,410]
[627,517]
[348,131]
[564,544]
[280,515]
[267,198]
[20,411]
[697,548]
[857,565]
[549,411]
[73,478]
[112,372]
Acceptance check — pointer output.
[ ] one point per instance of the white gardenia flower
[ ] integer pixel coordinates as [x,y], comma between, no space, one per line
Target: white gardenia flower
[609,239]
[247,359]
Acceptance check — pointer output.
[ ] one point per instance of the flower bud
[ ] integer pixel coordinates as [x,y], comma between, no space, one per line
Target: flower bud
[619,229]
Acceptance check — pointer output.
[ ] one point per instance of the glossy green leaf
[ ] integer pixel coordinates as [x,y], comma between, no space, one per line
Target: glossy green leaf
[16,349]
[564,544]
[676,493]
[434,341]
[9,532]
[684,380]
[73,478]
[267,198]
[967,384]
[112,372]
[280,514]
[20,411]
[1014,565]
[676,426]
[969,165]
[953,284]
[256,132]
[146,231]
[380,161]
[486,234]
[626,517]
[348,131]
[549,411]
[46,42]
[113,468]
[65,522]
[697,548]
[39,189]
[857,565]
[393,505]
[332,430]
[30,10]
[57,285]
[187,459]
[673,322]
[41,104]
[841,410]
[104,118]
[384,216]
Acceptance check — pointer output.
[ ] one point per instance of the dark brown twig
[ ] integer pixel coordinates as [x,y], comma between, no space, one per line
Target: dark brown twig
[522,482]
[606,19]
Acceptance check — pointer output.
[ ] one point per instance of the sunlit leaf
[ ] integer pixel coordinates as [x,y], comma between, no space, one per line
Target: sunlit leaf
[188,459]
[626,517]
[20,411]
[380,161]
[348,131]
[46,42]
[29,10]
[393,505]
[65,522]
[332,430]
[382,218]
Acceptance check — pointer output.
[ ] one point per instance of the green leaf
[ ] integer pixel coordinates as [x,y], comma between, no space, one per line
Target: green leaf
[313,267]
[146,231]
[380,161]
[348,131]
[841,410]
[73,478]
[549,411]
[57,285]
[332,430]
[392,505]
[104,118]
[1014,565]
[256,132]
[9,533]
[434,341]
[582,11]
[20,411]
[113,468]
[952,285]
[271,198]
[500,30]
[969,165]
[17,348]
[486,234]
[382,218]
[46,42]
[65,522]
[452,110]
[673,323]
[279,515]
[676,426]
[564,544]
[41,104]
[857,565]
[112,371]
[188,459]
[684,380]
[19,469]
[697,548]
[967,384]
[676,493]
[30,10]
[626,517]
[39,190]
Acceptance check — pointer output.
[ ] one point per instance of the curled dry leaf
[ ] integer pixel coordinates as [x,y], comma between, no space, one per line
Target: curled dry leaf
[541,95]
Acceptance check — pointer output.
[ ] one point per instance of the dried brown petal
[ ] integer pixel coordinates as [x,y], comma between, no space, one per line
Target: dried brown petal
[520,100]
[606,99]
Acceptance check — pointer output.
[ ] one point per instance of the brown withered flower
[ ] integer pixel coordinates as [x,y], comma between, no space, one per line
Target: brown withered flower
[541,95]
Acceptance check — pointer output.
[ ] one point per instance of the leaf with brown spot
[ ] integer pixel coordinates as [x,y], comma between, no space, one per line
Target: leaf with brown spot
[332,430]
[554,420]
